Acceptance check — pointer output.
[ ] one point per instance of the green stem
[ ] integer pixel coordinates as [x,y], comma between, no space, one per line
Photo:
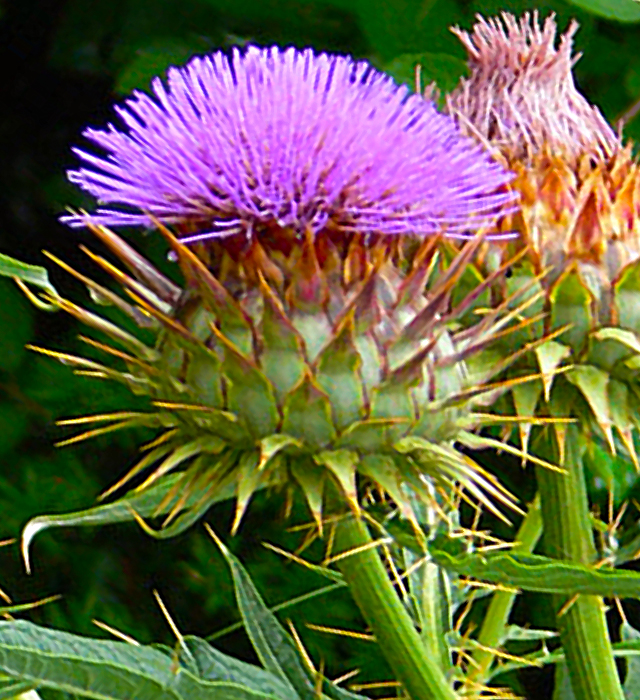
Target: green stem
[434,613]
[421,676]
[569,535]
[495,621]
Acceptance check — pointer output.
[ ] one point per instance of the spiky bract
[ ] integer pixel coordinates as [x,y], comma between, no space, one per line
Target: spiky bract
[292,138]
[293,364]
[579,224]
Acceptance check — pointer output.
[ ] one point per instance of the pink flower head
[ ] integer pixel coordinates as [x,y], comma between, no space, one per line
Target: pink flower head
[521,95]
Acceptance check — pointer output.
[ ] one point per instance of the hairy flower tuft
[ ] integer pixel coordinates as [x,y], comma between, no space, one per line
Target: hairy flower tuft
[301,140]
[521,95]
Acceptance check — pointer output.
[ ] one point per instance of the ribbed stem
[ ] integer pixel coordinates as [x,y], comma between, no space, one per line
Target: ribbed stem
[497,615]
[421,675]
[568,535]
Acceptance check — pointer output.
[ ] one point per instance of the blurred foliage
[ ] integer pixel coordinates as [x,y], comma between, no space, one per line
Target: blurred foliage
[64,63]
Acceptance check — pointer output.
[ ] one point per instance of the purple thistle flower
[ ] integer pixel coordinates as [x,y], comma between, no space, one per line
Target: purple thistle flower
[289,137]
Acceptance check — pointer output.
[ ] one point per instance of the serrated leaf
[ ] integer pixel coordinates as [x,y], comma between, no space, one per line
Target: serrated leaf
[103,669]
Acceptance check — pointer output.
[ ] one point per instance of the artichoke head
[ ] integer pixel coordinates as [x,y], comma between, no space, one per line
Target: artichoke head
[292,361]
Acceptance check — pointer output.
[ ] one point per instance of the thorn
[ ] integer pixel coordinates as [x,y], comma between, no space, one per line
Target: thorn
[365,636]
[116,633]
[172,624]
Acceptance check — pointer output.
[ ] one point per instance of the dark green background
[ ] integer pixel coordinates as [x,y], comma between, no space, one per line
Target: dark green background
[63,63]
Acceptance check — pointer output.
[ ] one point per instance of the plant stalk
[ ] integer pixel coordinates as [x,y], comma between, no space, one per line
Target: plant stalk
[495,621]
[421,675]
[568,535]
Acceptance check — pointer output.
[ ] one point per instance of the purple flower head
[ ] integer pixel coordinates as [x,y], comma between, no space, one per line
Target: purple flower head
[289,137]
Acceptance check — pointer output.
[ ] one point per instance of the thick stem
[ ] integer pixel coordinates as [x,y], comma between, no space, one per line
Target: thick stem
[497,616]
[421,676]
[568,535]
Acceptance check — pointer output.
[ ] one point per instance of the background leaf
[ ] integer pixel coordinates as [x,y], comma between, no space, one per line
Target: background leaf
[618,10]
[109,670]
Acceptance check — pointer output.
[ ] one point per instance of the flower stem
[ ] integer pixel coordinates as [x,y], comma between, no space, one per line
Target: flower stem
[497,616]
[421,676]
[568,535]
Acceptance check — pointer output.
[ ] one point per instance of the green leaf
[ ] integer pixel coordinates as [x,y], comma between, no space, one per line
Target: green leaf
[403,26]
[272,644]
[29,275]
[213,665]
[542,574]
[105,669]
[619,10]
[144,503]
